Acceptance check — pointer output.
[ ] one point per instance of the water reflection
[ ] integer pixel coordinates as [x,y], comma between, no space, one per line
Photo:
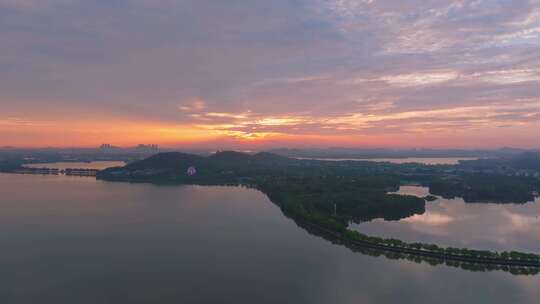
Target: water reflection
[432,261]
[98,165]
[78,240]
[452,222]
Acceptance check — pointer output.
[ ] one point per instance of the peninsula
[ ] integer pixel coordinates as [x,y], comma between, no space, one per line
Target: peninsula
[327,196]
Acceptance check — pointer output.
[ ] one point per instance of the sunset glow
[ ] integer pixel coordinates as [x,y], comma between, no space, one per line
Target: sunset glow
[270,73]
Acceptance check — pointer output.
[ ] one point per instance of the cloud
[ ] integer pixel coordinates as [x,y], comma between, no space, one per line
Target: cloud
[509,76]
[193,105]
[18,122]
[429,78]
[333,68]
[430,219]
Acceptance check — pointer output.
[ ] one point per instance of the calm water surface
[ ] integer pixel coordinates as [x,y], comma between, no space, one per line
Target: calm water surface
[420,160]
[98,165]
[78,240]
[452,222]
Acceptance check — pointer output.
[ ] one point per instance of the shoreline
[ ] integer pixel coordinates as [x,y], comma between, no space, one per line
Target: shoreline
[441,253]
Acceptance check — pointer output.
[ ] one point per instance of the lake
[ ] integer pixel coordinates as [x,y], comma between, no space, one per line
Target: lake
[97,165]
[452,222]
[78,240]
[419,160]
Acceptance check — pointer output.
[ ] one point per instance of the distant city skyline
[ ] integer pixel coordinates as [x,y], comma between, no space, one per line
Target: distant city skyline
[253,74]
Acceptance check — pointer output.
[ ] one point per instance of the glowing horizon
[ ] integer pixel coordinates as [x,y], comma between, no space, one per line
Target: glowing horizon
[263,74]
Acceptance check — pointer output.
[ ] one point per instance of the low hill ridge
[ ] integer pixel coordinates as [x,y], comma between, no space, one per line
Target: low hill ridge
[167,160]
[180,161]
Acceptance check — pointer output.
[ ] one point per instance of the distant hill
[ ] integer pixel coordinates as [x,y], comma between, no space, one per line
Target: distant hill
[397,153]
[229,156]
[180,161]
[522,161]
[167,160]
[267,156]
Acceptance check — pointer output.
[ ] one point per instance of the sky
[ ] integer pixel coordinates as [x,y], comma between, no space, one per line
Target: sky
[262,74]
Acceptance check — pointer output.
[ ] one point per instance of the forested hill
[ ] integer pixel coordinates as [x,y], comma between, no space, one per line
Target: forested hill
[167,161]
[317,187]
[179,162]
